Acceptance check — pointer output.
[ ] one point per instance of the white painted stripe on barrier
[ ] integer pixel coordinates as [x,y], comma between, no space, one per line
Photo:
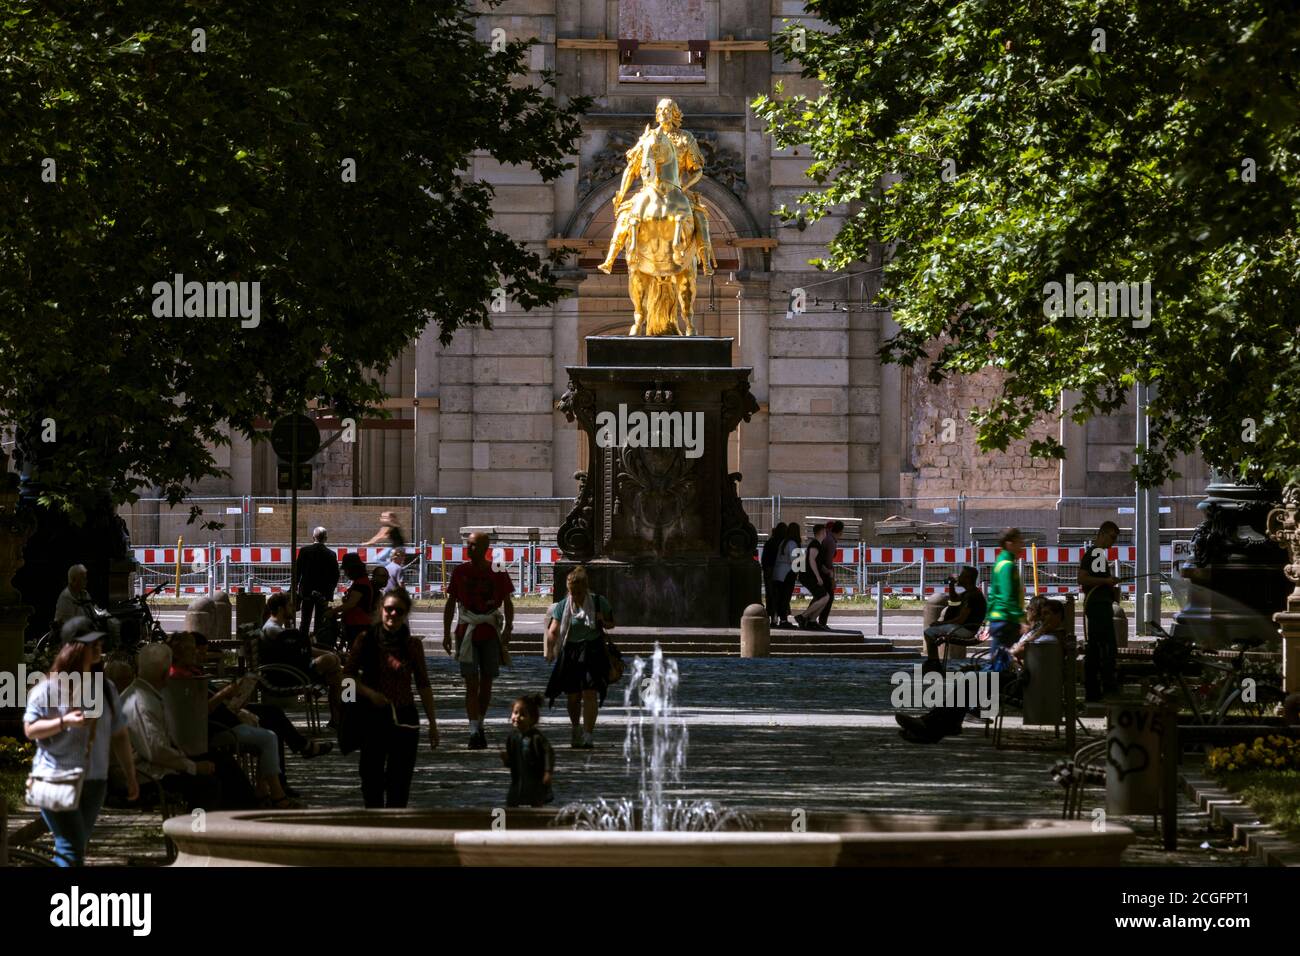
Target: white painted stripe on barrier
[1044,555]
[168,555]
[448,552]
[368,555]
[268,555]
[460,553]
[279,554]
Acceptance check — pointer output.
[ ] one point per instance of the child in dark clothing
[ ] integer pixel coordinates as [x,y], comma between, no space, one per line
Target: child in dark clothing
[529,756]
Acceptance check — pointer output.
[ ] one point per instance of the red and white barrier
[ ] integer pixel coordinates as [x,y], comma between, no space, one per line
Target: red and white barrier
[839,589]
[1052,555]
[280,555]
[168,555]
[857,556]
[185,589]
[459,553]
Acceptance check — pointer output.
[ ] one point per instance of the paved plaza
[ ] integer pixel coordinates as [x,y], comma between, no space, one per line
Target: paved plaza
[767,734]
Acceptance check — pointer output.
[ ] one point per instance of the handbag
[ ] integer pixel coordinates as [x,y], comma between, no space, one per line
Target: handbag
[616,666]
[612,654]
[355,714]
[59,790]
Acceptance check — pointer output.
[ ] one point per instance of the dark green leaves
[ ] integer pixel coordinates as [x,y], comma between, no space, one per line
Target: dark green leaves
[1105,165]
[225,166]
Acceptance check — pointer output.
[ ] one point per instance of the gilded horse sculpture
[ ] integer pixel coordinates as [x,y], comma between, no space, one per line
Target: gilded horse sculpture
[664,228]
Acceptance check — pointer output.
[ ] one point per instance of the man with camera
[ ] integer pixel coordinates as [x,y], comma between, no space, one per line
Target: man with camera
[963,616]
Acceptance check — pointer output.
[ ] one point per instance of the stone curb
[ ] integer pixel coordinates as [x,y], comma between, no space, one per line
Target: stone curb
[1226,809]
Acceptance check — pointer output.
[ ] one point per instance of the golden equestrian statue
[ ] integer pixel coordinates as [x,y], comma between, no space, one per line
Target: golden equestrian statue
[664,227]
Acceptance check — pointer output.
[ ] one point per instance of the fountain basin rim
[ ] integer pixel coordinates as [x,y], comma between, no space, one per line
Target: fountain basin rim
[378,837]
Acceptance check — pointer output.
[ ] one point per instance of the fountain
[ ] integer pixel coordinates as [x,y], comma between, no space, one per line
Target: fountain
[656,831]
[661,761]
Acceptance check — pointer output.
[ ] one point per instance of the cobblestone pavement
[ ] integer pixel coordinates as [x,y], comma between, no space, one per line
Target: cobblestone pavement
[769,734]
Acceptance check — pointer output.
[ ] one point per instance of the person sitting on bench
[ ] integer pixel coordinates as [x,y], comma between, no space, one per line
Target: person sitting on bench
[964,615]
[1046,619]
[282,644]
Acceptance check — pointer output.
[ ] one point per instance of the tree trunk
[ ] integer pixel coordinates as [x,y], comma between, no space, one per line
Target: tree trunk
[100,542]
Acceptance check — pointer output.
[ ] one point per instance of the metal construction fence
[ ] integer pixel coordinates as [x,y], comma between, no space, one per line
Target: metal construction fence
[955,521]
[859,570]
[904,546]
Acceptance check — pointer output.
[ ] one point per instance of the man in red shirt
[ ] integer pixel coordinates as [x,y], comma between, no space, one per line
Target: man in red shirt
[486,611]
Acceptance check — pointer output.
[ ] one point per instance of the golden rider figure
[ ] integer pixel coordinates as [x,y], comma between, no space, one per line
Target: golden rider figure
[690,164]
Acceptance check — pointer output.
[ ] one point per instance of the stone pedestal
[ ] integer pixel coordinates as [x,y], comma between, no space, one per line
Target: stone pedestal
[683,592]
[658,521]
[1289,622]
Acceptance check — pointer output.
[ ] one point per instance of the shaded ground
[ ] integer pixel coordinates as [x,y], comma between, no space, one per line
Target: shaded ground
[772,734]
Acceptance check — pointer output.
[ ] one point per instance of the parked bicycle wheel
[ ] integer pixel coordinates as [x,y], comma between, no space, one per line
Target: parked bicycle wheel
[19,857]
[1254,701]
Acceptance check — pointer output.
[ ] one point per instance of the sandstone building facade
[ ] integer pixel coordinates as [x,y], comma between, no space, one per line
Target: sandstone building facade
[478,417]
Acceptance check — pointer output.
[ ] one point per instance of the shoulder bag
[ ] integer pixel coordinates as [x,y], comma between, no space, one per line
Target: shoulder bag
[356,714]
[612,654]
[60,790]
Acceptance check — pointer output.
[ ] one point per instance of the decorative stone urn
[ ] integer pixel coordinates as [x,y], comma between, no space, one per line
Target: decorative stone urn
[1284,528]
[1236,582]
[658,521]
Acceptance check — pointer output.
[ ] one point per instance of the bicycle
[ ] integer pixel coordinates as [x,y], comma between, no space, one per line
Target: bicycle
[127,623]
[1212,701]
[138,609]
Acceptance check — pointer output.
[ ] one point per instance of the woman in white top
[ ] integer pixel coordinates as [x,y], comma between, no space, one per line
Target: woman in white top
[783,576]
[75,716]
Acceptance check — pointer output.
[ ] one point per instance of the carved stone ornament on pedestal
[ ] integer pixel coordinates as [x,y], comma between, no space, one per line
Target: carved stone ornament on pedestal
[658,520]
[576,537]
[655,486]
[1284,528]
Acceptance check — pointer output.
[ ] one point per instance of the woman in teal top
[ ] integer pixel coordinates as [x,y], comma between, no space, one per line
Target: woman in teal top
[576,642]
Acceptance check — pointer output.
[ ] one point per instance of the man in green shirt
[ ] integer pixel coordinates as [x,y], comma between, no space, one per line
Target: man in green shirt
[1006,599]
